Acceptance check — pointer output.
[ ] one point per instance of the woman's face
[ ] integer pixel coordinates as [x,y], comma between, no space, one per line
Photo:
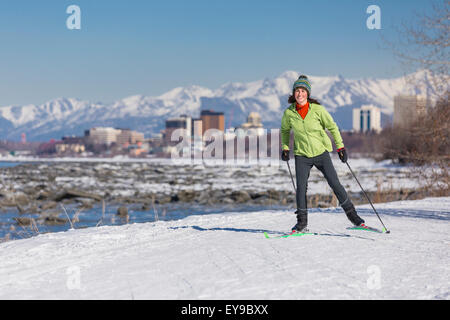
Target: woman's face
[301,96]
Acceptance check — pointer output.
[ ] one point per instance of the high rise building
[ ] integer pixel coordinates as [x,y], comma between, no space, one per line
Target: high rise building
[104,135]
[212,120]
[367,118]
[172,124]
[197,128]
[127,136]
[408,109]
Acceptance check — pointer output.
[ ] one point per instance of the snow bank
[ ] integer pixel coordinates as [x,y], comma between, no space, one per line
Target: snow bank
[225,256]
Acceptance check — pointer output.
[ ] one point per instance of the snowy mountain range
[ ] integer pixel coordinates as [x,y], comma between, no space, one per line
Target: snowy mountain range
[69,116]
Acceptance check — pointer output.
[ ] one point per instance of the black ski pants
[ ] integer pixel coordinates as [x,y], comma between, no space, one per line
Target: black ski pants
[322,162]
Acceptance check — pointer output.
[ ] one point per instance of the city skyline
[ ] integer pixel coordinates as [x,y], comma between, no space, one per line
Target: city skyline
[67,116]
[124,48]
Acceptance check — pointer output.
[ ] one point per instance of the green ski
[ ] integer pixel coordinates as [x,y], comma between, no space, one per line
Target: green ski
[295,234]
[366,228]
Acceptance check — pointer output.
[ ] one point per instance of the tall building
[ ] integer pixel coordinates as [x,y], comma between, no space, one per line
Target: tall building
[367,118]
[127,136]
[212,120]
[197,128]
[172,124]
[408,109]
[104,135]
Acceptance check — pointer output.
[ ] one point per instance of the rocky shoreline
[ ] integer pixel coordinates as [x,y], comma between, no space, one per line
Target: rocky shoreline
[46,188]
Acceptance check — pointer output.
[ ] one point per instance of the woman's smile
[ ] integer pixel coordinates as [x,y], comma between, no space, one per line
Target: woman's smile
[301,96]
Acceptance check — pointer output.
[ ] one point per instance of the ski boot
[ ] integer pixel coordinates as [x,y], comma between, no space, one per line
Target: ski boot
[351,214]
[302,222]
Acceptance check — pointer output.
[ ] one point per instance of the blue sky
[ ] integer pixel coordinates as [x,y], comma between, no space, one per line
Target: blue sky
[149,47]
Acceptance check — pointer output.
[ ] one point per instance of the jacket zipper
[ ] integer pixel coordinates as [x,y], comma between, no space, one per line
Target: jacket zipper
[304,129]
[307,136]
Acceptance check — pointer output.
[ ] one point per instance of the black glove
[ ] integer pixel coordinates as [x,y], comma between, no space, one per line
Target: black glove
[285,155]
[342,154]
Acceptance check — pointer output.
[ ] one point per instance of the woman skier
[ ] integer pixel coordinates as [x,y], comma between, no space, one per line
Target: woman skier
[308,120]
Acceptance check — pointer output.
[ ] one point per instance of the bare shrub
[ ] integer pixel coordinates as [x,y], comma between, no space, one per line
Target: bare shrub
[426,144]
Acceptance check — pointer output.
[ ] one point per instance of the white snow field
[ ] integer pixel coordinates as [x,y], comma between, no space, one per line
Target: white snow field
[226,256]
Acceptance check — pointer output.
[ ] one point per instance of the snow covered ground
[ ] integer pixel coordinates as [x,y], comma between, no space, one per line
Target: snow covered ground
[226,256]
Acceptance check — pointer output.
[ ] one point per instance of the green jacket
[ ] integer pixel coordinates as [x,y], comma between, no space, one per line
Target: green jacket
[310,138]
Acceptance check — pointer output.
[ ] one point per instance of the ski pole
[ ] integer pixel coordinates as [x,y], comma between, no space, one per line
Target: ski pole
[387,231]
[292,179]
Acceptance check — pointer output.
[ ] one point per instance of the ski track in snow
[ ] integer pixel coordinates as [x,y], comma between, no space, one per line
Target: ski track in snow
[225,256]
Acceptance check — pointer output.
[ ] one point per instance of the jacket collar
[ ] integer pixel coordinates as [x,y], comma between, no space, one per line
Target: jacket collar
[293,107]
